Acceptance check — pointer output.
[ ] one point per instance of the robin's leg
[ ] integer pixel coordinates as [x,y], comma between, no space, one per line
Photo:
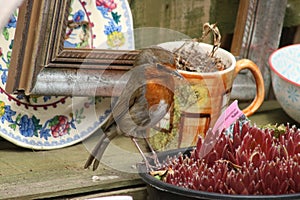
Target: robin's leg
[154,155]
[148,166]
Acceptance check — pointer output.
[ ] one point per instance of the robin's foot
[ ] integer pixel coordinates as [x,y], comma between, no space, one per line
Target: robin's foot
[147,158]
[154,154]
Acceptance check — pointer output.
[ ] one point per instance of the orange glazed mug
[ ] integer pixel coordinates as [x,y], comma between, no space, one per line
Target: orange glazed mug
[212,91]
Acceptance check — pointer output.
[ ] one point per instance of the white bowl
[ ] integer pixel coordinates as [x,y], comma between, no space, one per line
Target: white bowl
[285,72]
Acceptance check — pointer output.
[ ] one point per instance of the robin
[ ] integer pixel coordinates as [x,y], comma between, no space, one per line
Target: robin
[145,100]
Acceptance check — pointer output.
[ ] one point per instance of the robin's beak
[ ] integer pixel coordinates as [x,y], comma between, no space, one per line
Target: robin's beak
[176,74]
[169,70]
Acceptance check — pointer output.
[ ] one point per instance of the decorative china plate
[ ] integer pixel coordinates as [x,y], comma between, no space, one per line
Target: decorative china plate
[50,122]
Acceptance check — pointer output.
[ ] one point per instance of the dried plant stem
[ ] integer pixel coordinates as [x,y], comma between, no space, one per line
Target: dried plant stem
[212,28]
[191,57]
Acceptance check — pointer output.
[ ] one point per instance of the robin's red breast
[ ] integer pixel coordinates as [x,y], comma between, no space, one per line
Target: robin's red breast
[145,100]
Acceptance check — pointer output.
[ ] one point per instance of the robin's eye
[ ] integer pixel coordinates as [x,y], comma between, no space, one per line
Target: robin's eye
[159,66]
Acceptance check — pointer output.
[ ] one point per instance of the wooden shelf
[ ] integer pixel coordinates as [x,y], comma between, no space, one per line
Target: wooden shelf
[28,174]
[59,174]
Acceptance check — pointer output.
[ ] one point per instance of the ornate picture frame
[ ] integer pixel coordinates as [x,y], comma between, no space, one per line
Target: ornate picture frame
[41,65]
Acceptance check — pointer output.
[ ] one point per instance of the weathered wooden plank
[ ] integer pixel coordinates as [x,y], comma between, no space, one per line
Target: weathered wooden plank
[35,174]
[183,16]
[176,16]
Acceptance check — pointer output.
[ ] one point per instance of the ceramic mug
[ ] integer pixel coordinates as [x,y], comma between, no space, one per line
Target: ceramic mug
[212,91]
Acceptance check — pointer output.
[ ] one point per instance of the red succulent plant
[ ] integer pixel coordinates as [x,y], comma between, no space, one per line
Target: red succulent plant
[251,161]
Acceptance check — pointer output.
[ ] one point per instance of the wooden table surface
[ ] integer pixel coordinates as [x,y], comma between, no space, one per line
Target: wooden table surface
[59,174]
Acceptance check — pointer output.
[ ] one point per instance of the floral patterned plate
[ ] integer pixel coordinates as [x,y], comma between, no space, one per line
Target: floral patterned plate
[50,122]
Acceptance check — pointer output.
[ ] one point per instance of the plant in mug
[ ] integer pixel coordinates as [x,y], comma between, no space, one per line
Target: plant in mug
[209,72]
[191,57]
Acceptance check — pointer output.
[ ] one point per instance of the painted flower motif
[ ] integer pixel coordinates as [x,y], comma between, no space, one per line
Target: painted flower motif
[78,16]
[6,113]
[12,22]
[103,10]
[4,69]
[60,126]
[2,108]
[78,32]
[112,27]
[109,4]
[45,133]
[115,39]
[4,74]
[27,126]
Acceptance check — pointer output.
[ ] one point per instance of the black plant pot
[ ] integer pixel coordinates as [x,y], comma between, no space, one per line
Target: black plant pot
[159,190]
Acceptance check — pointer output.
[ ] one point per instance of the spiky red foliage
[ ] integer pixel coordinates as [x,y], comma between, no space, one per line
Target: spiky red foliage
[251,161]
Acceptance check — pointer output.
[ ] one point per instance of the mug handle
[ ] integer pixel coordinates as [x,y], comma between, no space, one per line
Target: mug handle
[259,81]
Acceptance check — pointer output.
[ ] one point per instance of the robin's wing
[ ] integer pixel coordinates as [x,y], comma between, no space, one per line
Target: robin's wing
[127,96]
[132,107]
[139,112]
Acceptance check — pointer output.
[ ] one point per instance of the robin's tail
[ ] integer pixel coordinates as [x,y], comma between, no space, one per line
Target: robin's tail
[100,147]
